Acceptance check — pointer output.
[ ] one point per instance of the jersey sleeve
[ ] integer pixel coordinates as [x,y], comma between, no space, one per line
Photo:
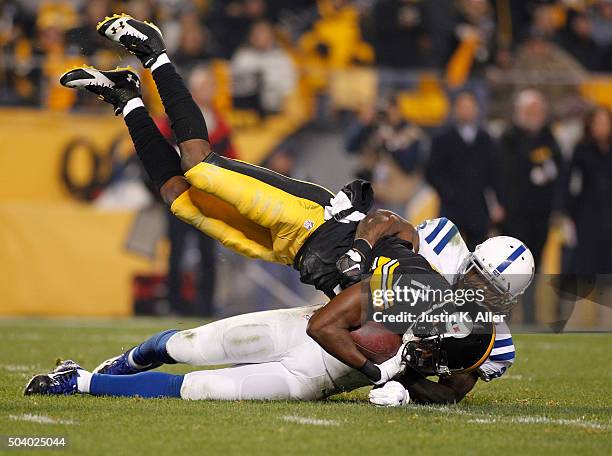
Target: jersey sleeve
[441,244]
[501,357]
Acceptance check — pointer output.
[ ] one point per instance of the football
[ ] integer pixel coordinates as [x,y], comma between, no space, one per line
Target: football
[376,342]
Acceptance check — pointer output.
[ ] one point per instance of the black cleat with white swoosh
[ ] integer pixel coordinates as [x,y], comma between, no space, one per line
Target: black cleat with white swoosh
[116,87]
[143,39]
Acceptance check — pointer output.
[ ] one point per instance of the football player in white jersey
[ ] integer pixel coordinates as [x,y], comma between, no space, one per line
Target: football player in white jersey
[502,266]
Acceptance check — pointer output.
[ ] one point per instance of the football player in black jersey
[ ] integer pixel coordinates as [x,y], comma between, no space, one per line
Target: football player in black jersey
[252,210]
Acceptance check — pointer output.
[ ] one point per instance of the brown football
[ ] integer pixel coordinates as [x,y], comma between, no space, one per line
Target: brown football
[376,342]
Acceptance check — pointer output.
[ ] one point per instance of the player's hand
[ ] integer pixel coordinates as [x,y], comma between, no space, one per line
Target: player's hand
[351,265]
[392,394]
[392,367]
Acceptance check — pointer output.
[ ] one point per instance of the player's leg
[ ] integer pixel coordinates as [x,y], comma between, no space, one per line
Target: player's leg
[145,40]
[266,381]
[290,209]
[250,338]
[121,88]
[213,217]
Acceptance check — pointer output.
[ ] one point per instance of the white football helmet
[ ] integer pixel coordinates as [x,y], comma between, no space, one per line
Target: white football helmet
[506,263]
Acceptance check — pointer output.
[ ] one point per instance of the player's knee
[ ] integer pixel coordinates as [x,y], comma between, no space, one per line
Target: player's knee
[183,347]
[173,188]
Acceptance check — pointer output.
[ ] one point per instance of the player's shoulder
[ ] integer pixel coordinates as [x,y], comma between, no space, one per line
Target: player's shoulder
[440,237]
[502,355]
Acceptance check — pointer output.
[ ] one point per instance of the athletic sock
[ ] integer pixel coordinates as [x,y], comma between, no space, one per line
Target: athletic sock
[83,381]
[152,350]
[145,384]
[185,115]
[159,158]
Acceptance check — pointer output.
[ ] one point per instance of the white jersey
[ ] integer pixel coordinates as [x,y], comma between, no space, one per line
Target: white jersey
[443,247]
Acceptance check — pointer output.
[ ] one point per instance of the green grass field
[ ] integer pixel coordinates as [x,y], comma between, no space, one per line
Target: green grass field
[557,399]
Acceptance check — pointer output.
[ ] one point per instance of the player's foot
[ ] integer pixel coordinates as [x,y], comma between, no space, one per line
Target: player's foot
[119,365]
[62,381]
[143,39]
[116,87]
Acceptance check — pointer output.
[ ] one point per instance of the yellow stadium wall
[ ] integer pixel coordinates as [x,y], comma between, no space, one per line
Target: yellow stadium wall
[59,256]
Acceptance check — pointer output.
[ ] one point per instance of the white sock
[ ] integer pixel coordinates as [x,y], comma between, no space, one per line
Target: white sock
[161,60]
[83,380]
[133,363]
[131,105]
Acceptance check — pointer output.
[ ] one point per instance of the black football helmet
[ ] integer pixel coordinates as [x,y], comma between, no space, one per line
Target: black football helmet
[459,349]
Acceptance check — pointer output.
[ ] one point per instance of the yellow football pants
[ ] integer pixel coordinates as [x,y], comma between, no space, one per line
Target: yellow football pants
[251,210]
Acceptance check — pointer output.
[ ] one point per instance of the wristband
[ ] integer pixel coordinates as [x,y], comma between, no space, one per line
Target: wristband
[363,247]
[371,370]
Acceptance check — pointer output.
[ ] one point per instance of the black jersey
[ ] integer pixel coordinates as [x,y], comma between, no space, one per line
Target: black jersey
[317,258]
[403,284]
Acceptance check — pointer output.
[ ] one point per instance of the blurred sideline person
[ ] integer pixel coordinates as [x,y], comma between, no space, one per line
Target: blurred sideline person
[202,87]
[588,202]
[530,166]
[462,170]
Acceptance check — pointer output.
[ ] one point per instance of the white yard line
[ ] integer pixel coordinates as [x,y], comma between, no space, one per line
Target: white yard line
[484,418]
[18,367]
[40,419]
[311,421]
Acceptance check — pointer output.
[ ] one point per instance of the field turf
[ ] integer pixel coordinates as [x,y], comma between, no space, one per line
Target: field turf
[556,400]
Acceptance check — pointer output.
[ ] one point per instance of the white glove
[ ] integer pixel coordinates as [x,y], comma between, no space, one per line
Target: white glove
[393,394]
[392,367]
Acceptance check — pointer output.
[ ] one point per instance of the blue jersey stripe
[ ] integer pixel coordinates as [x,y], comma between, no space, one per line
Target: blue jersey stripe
[502,357]
[508,261]
[443,221]
[502,343]
[447,237]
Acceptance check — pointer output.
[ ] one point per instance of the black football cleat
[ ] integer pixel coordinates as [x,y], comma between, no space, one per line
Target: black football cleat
[143,39]
[116,87]
[62,381]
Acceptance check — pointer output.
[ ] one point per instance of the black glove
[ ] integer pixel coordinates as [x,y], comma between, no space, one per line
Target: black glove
[354,263]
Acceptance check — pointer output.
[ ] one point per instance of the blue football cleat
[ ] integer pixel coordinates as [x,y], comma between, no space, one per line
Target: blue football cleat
[119,365]
[62,381]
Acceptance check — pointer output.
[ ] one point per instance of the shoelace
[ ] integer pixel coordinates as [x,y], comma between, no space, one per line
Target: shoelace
[63,382]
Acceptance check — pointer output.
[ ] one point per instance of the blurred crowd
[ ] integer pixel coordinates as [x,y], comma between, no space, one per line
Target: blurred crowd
[491,103]
[269,44]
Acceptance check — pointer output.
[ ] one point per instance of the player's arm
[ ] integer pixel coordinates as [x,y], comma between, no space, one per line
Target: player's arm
[381,223]
[448,390]
[330,327]
[376,225]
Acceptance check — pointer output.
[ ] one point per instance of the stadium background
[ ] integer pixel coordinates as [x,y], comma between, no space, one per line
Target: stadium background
[81,234]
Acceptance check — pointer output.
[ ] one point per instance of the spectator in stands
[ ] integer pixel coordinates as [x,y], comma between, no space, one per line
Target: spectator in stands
[202,86]
[530,165]
[399,36]
[19,75]
[263,73]
[231,21]
[601,20]
[194,42]
[385,132]
[475,20]
[556,72]
[84,38]
[588,201]
[462,168]
[576,38]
